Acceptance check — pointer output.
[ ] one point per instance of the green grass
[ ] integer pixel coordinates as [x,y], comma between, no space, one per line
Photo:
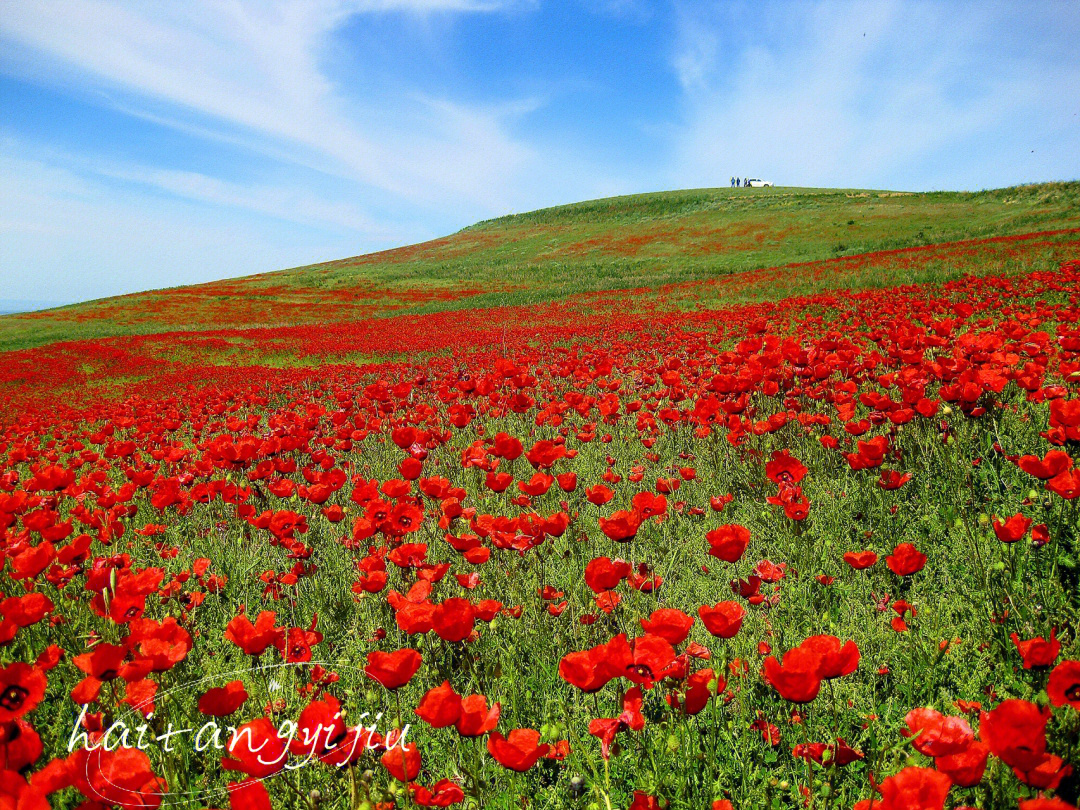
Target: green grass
[645,240]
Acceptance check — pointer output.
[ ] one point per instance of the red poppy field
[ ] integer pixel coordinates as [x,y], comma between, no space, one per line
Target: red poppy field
[804,535]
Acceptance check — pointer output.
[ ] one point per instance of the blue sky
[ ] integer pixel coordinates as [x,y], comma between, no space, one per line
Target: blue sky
[145,145]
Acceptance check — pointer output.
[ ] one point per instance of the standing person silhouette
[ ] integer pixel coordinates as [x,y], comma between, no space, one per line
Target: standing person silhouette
[733,182]
[737,182]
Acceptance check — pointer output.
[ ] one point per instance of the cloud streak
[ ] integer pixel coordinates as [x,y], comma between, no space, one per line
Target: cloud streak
[257,67]
[882,94]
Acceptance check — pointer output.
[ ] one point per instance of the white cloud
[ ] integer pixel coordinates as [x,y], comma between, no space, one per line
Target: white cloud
[257,66]
[286,203]
[68,236]
[881,94]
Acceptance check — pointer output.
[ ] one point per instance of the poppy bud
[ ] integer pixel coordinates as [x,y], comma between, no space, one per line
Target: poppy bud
[577,787]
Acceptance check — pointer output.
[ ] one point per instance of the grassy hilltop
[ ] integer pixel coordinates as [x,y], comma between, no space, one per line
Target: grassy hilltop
[639,241]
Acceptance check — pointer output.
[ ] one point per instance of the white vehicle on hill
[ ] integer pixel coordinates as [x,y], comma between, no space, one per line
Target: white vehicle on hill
[754,182]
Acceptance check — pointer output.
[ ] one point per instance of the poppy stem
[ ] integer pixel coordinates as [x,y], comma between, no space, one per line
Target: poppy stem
[809,770]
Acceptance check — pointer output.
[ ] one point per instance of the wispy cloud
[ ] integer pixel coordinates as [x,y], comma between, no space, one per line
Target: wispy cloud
[68,237]
[886,94]
[257,67]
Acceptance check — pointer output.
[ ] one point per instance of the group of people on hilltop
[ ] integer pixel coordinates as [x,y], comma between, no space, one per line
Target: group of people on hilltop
[737,183]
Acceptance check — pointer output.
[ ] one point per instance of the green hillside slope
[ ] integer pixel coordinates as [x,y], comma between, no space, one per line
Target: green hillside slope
[646,240]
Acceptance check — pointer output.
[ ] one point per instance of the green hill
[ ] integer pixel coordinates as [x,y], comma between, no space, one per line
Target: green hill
[638,241]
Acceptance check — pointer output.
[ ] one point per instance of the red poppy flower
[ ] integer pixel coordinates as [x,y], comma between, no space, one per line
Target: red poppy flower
[1012,529]
[164,644]
[20,745]
[1045,773]
[644,801]
[519,750]
[22,611]
[648,505]
[935,734]
[402,762]
[442,794]
[393,670]
[223,700]
[255,749]
[1016,732]
[122,777]
[905,560]
[507,446]
[915,789]
[295,643]
[538,485]
[603,574]
[545,453]
[722,619]
[498,482]
[768,571]
[253,639]
[965,767]
[891,480]
[607,601]
[404,518]
[16,793]
[319,728]
[598,495]
[668,623]
[31,562]
[834,659]
[797,678]
[440,707]
[103,662]
[652,659]
[1066,484]
[591,670]
[860,559]
[784,468]
[21,689]
[728,542]
[249,795]
[605,728]
[1064,684]
[1038,652]
[622,526]
[453,619]
[139,695]
[476,718]
[697,694]
[409,555]
[413,618]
